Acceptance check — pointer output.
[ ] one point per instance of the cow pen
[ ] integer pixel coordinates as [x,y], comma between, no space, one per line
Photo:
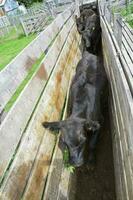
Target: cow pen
[31,164]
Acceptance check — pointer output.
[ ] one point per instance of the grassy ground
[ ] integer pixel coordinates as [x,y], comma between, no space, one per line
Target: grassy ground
[127,13]
[11,44]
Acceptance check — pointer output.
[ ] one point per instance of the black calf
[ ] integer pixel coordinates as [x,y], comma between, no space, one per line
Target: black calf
[84,111]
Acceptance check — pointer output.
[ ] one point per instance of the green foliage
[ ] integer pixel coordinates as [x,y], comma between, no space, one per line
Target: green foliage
[66,156]
[69,167]
[131,23]
[127,10]
[127,13]
[28,3]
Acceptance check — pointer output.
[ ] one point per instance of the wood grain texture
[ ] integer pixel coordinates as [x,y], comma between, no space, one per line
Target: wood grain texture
[15,72]
[34,149]
[16,121]
[121,107]
[39,185]
[57,186]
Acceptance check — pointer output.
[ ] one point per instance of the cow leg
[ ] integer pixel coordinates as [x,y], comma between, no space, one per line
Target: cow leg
[92,150]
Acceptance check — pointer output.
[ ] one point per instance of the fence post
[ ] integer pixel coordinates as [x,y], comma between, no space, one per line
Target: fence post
[23,26]
[118,28]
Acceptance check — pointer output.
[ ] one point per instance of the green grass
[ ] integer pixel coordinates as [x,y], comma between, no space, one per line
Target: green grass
[126,12]
[32,71]
[67,165]
[11,44]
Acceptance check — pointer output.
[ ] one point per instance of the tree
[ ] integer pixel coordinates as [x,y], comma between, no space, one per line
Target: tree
[27,3]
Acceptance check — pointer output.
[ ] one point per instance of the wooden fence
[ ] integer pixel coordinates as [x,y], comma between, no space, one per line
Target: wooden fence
[4,21]
[26,148]
[27,163]
[29,21]
[118,62]
[4,25]
[124,38]
[33,23]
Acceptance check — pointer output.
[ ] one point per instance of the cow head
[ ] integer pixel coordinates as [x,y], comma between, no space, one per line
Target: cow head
[73,136]
[92,30]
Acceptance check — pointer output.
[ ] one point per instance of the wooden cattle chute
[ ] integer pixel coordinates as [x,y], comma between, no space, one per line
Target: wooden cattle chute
[26,149]
[121,80]
[31,165]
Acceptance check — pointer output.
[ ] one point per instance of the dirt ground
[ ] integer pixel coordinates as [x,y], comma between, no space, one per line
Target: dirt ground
[98,184]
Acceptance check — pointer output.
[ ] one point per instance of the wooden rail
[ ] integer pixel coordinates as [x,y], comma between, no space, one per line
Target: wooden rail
[123,38]
[121,108]
[29,156]
[26,148]
[16,71]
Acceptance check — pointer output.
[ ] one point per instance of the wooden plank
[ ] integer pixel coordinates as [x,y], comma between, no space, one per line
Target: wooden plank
[127,74]
[128,39]
[14,73]
[122,146]
[49,108]
[128,30]
[127,46]
[119,171]
[113,58]
[29,194]
[127,54]
[106,64]
[118,181]
[58,177]
[14,124]
[118,80]
[123,90]
[124,65]
[117,141]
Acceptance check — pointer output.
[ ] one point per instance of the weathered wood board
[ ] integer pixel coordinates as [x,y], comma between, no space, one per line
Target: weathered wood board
[57,186]
[122,115]
[32,159]
[15,72]
[16,123]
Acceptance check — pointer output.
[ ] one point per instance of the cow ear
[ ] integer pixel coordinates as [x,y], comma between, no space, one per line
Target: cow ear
[91,125]
[52,126]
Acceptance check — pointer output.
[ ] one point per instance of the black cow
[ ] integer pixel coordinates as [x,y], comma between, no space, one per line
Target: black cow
[81,21]
[84,111]
[88,25]
[92,34]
